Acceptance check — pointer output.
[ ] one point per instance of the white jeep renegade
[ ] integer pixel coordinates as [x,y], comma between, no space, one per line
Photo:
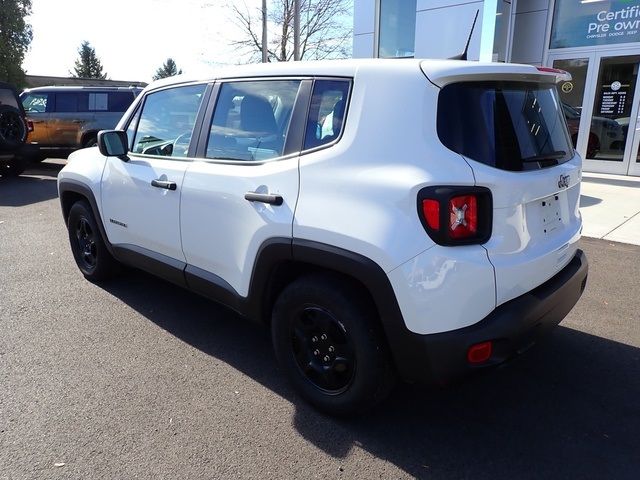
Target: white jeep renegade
[408,218]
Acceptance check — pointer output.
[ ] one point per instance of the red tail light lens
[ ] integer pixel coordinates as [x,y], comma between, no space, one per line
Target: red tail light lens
[463,216]
[431,212]
[456,215]
[29,126]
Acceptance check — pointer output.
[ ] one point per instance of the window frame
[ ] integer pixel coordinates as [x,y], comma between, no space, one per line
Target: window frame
[195,140]
[294,136]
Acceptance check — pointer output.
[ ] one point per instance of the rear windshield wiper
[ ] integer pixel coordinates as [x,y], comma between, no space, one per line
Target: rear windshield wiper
[555,155]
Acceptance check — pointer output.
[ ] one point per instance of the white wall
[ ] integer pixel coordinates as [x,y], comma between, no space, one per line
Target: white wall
[364,19]
[530,31]
[443,27]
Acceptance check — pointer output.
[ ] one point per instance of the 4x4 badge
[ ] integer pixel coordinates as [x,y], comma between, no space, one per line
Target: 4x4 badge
[564,181]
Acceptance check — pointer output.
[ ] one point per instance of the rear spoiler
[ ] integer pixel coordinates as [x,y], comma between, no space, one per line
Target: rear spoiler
[443,72]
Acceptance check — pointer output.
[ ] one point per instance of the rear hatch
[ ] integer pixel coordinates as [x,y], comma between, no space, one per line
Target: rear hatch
[507,122]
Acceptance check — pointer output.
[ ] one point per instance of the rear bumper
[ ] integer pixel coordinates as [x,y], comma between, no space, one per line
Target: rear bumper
[512,327]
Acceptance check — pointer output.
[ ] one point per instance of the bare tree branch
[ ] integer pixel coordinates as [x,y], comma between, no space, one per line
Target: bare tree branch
[325,29]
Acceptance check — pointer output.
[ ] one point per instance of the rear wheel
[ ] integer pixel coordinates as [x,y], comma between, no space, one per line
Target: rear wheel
[87,245]
[328,341]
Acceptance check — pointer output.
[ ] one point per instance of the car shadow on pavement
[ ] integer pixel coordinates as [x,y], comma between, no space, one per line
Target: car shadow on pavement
[566,409]
[36,184]
[587,201]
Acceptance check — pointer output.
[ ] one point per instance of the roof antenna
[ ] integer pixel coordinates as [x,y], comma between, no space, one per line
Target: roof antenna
[463,55]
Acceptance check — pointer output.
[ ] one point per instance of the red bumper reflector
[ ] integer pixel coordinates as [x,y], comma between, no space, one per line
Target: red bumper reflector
[480,352]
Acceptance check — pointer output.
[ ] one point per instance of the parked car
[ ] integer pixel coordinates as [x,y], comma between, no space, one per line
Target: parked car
[13,131]
[430,232]
[68,118]
[606,136]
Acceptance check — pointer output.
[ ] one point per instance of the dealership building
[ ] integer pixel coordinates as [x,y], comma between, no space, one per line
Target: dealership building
[597,41]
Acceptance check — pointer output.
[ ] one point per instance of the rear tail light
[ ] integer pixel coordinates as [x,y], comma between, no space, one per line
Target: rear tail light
[29,126]
[463,216]
[454,215]
[431,212]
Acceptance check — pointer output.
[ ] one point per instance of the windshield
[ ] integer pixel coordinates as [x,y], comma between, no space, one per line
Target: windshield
[512,126]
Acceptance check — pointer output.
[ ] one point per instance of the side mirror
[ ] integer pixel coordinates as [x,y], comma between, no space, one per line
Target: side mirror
[113,143]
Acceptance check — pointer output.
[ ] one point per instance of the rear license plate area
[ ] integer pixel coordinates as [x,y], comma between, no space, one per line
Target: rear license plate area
[550,214]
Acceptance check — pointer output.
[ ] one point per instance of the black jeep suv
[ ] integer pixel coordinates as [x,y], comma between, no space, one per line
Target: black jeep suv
[13,132]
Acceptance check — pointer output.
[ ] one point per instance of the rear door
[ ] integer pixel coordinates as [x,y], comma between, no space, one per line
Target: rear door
[245,188]
[512,132]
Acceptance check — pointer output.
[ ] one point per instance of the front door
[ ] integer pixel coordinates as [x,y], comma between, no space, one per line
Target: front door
[141,196]
[601,108]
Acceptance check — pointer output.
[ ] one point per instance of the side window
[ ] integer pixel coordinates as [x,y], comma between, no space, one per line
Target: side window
[327,112]
[167,120]
[251,119]
[131,129]
[35,102]
[120,101]
[98,102]
[66,102]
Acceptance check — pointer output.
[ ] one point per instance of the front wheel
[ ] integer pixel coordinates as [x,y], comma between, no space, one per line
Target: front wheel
[328,341]
[88,248]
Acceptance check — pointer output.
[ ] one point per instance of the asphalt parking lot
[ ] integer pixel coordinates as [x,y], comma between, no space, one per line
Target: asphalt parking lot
[140,379]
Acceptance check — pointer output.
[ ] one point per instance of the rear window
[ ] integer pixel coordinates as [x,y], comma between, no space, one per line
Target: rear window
[512,126]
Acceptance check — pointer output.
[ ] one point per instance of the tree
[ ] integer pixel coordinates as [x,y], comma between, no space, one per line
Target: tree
[88,65]
[15,38]
[168,69]
[325,29]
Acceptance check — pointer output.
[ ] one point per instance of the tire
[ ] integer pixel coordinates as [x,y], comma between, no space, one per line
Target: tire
[14,168]
[13,129]
[329,343]
[87,245]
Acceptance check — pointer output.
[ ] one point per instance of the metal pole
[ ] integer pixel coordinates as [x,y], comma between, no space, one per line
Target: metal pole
[264,32]
[296,30]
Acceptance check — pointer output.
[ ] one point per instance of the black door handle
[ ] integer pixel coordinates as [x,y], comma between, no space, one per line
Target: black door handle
[164,184]
[263,198]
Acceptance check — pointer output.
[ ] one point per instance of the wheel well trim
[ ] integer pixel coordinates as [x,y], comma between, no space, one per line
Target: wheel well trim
[73,186]
[309,253]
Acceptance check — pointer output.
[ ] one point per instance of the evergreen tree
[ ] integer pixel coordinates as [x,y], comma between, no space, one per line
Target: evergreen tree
[88,65]
[15,37]
[168,69]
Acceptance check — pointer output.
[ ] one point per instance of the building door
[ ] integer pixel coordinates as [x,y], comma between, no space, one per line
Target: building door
[601,108]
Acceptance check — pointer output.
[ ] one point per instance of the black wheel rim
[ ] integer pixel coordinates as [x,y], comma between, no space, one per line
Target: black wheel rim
[10,126]
[86,238]
[323,350]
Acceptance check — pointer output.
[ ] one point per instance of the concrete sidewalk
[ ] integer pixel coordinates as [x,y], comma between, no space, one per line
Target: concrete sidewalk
[610,206]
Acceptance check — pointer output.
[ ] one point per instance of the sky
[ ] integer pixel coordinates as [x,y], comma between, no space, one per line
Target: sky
[132,38]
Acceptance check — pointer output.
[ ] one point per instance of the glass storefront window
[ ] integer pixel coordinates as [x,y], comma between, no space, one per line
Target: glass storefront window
[572,95]
[612,107]
[595,22]
[396,35]
[503,16]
